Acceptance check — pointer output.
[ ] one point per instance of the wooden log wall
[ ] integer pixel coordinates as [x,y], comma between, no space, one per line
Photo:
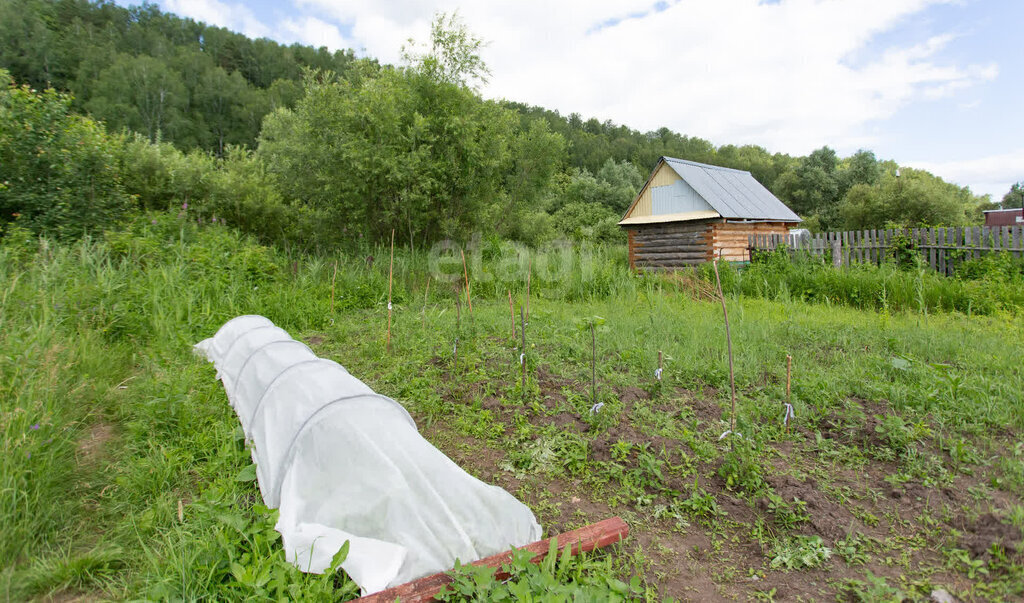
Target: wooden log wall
[680,244]
[731,240]
[940,248]
[668,246]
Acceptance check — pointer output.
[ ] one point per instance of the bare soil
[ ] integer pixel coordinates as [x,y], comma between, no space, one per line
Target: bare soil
[709,563]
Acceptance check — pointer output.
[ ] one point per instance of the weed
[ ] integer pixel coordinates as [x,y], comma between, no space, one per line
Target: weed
[961,559]
[558,577]
[871,590]
[787,514]
[800,552]
[741,469]
[853,549]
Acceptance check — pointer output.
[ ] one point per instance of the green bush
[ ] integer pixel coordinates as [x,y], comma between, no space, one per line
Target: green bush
[58,171]
[592,222]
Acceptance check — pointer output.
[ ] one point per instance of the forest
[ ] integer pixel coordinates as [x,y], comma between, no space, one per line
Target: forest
[317,149]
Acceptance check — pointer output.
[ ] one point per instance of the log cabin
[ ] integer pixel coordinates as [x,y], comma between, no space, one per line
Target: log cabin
[689,213]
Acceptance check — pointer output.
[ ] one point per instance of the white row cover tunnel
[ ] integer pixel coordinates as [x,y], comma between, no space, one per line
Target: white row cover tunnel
[344,463]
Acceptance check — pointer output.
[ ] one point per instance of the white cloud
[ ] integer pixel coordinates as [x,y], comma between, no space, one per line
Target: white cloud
[733,71]
[790,76]
[234,16]
[992,175]
[314,32]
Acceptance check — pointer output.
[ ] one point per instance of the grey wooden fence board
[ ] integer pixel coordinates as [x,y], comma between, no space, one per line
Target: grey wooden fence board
[940,248]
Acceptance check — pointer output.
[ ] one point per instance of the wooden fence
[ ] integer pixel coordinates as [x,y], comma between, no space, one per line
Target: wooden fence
[941,248]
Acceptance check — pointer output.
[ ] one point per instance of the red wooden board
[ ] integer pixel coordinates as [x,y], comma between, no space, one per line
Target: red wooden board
[594,536]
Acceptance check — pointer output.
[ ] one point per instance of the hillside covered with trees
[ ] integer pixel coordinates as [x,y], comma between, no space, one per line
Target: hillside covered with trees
[317,149]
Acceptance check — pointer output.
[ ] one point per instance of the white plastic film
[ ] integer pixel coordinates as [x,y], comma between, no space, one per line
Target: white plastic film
[343,463]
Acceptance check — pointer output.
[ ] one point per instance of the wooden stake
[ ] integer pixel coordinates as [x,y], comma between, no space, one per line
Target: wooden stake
[789,397]
[522,351]
[425,294]
[529,273]
[391,272]
[512,315]
[458,329]
[333,279]
[728,338]
[181,511]
[465,271]
[593,364]
[789,371]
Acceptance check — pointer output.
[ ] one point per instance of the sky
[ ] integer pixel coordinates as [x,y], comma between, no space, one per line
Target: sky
[935,84]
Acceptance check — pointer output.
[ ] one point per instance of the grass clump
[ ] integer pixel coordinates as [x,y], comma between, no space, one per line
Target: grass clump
[988,285]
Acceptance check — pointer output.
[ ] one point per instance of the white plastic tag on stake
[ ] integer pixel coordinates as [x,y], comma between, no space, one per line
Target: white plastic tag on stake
[789,414]
[596,408]
[657,374]
[389,306]
[522,358]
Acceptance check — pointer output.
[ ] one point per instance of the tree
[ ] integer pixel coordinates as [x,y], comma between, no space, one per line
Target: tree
[453,56]
[860,168]
[812,188]
[917,198]
[58,170]
[410,148]
[27,45]
[221,99]
[140,93]
[1013,197]
[536,156]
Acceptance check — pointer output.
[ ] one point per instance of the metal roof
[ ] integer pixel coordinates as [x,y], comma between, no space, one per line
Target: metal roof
[734,194]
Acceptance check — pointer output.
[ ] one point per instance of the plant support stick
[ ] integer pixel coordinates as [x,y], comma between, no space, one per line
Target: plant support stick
[391,273]
[593,365]
[512,315]
[425,294]
[728,339]
[522,351]
[333,279]
[529,272]
[789,397]
[465,271]
[657,373]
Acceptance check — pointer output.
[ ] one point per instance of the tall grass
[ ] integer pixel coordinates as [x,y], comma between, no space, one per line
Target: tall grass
[108,422]
[986,286]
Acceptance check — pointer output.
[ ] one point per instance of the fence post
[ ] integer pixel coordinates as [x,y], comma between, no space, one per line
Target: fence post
[944,235]
[931,250]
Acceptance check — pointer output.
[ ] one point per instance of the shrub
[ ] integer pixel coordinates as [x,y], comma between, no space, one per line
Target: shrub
[588,222]
[58,171]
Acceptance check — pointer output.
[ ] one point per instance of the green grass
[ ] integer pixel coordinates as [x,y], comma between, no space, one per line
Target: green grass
[109,422]
[991,284]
